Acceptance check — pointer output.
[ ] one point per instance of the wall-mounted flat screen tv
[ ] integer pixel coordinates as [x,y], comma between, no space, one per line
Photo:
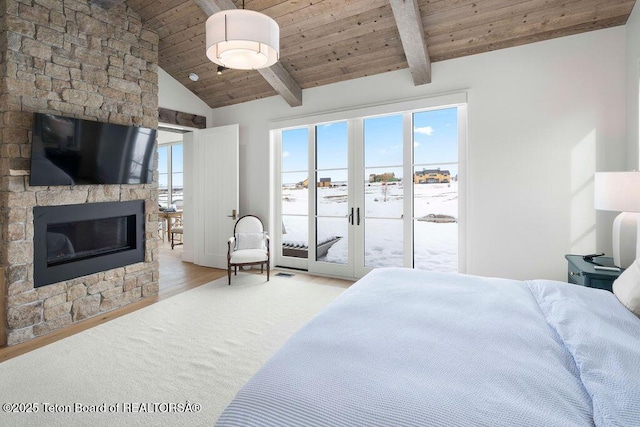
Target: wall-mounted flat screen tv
[69,151]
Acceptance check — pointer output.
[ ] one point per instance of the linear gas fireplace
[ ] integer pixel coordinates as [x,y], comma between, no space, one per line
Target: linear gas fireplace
[75,240]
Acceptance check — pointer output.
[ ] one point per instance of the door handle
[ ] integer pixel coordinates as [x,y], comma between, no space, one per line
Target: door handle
[233,214]
[358,215]
[350,220]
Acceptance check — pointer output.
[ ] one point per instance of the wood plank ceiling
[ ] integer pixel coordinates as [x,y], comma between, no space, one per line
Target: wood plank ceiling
[328,41]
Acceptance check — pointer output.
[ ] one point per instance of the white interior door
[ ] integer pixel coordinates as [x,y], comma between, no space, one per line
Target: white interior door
[211,208]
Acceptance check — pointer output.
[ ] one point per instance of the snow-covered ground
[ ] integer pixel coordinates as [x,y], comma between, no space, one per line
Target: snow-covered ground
[435,244]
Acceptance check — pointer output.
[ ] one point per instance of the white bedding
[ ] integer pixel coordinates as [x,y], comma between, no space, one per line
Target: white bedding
[412,348]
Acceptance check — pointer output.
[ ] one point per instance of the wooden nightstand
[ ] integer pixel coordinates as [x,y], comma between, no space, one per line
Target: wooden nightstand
[581,272]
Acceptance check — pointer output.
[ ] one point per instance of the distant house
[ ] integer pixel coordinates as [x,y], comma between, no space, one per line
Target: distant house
[324,182]
[303,184]
[383,177]
[432,176]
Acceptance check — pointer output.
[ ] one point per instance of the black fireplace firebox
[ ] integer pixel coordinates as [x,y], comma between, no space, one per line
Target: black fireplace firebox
[75,240]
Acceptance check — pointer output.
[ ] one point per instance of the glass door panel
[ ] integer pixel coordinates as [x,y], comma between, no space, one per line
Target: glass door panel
[295,151]
[332,193]
[435,246]
[435,136]
[383,192]
[332,212]
[435,190]
[383,243]
[295,229]
[295,197]
[383,141]
[332,240]
[435,229]
[332,148]
[294,204]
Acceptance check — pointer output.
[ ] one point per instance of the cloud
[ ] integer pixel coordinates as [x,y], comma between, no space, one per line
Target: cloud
[416,144]
[285,154]
[427,130]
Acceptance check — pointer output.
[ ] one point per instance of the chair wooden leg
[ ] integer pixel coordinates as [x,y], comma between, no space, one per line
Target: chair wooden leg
[261,268]
[229,274]
[235,270]
[267,271]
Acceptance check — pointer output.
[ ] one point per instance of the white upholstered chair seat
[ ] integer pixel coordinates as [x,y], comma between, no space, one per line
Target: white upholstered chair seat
[248,255]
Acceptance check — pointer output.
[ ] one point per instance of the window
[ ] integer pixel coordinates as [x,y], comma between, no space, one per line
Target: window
[170,175]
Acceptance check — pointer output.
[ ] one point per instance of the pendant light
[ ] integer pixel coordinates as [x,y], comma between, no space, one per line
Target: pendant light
[242,39]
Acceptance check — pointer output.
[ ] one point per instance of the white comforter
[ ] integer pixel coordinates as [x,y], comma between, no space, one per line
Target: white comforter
[411,348]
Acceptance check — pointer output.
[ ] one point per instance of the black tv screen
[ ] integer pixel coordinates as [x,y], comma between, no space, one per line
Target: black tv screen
[69,151]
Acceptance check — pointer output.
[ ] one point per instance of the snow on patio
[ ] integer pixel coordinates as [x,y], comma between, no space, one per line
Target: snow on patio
[435,243]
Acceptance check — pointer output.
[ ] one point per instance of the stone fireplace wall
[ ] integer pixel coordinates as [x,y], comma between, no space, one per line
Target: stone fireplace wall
[70,58]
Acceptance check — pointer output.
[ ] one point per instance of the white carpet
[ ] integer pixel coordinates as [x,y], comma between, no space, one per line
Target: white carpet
[198,347]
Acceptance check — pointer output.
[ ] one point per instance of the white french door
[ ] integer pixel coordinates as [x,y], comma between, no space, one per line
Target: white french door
[332,201]
[367,192]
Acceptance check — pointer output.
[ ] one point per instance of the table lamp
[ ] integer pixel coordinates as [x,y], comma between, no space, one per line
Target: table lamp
[620,191]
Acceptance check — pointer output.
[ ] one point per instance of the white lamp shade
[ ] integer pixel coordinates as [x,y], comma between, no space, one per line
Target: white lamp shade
[617,191]
[242,39]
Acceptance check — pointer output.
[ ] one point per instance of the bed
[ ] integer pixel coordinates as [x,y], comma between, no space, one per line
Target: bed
[405,347]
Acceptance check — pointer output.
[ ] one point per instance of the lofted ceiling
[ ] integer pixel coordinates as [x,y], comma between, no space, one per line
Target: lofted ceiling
[328,41]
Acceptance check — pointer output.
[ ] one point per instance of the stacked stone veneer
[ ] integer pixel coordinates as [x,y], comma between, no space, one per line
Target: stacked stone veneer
[70,58]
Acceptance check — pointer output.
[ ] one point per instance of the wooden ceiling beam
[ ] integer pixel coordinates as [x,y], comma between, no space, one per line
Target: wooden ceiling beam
[414,42]
[214,6]
[276,75]
[106,4]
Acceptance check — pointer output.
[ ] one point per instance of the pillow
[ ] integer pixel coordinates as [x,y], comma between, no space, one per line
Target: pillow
[249,241]
[627,287]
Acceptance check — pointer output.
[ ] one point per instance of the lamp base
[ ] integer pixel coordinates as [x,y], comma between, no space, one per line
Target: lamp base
[625,239]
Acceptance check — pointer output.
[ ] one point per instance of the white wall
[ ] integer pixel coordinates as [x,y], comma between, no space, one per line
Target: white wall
[542,118]
[633,89]
[174,96]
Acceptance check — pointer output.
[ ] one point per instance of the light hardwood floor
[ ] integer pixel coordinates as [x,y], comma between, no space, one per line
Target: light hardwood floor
[175,277]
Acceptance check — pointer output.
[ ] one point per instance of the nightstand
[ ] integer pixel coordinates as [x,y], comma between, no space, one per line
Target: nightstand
[581,272]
